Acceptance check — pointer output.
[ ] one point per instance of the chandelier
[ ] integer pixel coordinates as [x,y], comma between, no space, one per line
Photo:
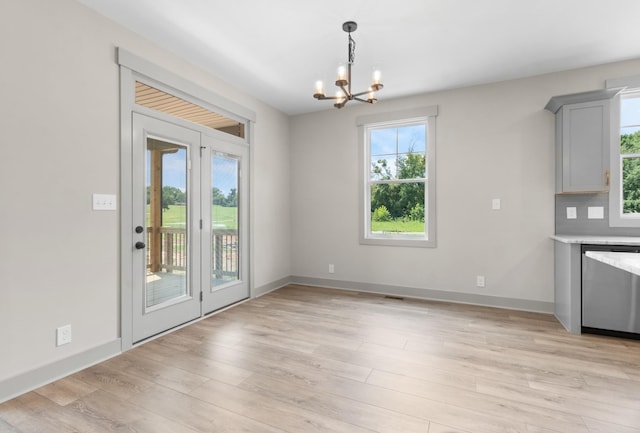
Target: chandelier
[345,94]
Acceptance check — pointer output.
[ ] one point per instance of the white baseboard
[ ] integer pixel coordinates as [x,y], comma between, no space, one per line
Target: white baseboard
[30,380]
[429,294]
[275,285]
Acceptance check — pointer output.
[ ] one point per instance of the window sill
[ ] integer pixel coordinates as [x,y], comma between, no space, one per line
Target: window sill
[398,242]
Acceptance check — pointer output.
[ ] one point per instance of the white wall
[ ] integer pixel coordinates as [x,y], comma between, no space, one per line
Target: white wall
[59,110]
[493,141]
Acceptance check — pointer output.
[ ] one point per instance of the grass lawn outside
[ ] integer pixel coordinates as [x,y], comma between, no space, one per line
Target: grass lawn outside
[223,217]
[398,226]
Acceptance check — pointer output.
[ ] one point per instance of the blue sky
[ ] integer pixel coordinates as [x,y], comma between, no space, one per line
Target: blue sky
[383,141]
[630,115]
[389,143]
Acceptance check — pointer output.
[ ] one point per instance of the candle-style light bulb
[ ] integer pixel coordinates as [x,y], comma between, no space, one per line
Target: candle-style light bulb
[376,76]
[342,72]
[377,84]
[342,76]
[319,90]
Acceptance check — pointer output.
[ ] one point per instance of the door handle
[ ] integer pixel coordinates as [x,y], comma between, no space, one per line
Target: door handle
[140,245]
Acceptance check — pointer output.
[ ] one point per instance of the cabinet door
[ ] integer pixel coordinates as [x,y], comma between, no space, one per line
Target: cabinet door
[585,147]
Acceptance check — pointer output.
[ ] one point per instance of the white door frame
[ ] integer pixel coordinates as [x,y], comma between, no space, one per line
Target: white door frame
[134,68]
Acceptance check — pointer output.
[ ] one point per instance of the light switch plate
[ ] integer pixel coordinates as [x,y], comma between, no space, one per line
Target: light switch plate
[495,204]
[572,213]
[104,202]
[595,212]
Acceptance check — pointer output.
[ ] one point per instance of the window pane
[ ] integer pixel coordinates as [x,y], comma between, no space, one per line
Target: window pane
[629,130]
[398,152]
[631,185]
[398,208]
[630,140]
[412,139]
[629,111]
[383,167]
[411,166]
[383,141]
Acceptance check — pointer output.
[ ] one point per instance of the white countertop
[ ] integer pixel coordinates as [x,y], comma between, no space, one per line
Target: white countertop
[597,240]
[629,262]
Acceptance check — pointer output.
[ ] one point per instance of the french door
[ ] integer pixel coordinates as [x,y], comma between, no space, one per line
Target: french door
[225,224]
[189,226]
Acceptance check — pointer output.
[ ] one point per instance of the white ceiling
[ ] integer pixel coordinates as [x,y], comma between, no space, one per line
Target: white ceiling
[277,49]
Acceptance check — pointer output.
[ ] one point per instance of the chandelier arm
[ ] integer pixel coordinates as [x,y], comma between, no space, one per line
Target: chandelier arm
[347,92]
[363,93]
[322,98]
[363,100]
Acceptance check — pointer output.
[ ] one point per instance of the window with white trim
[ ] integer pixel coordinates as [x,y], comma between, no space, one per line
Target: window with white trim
[630,153]
[398,179]
[624,195]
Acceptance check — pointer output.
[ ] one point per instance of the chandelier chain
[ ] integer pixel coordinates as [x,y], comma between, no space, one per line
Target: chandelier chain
[352,49]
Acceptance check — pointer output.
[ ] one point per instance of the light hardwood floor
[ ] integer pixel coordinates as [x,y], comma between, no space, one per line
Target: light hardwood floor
[304,359]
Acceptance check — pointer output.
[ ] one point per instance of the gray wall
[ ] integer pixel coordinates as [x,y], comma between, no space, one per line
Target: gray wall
[60,114]
[493,141]
[583,225]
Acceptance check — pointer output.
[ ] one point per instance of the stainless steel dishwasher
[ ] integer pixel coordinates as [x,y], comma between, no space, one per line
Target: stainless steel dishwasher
[610,296]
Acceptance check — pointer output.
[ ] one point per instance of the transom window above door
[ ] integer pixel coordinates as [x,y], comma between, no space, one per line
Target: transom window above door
[158,100]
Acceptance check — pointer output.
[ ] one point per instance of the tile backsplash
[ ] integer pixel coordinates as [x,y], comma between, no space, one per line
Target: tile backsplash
[595,206]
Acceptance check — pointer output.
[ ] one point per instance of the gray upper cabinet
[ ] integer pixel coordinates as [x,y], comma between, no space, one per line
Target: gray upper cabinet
[583,136]
[583,133]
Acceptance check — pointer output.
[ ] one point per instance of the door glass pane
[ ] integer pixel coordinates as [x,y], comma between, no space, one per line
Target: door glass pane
[167,216]
[224,219]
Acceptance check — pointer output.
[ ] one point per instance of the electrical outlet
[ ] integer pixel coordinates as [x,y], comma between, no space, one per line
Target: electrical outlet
[332,268]
[63,335]
[595,212]
[480,281]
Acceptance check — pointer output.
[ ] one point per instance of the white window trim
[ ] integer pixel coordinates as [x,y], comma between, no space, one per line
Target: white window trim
[616,217]
[427,114]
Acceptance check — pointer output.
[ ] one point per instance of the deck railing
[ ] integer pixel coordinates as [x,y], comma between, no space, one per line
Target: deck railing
[224,254]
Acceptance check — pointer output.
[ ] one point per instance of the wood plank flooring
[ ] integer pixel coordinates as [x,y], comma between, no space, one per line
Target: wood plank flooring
[305,359]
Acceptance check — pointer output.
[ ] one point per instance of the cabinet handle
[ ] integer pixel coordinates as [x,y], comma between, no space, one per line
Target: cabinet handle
[606,178]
